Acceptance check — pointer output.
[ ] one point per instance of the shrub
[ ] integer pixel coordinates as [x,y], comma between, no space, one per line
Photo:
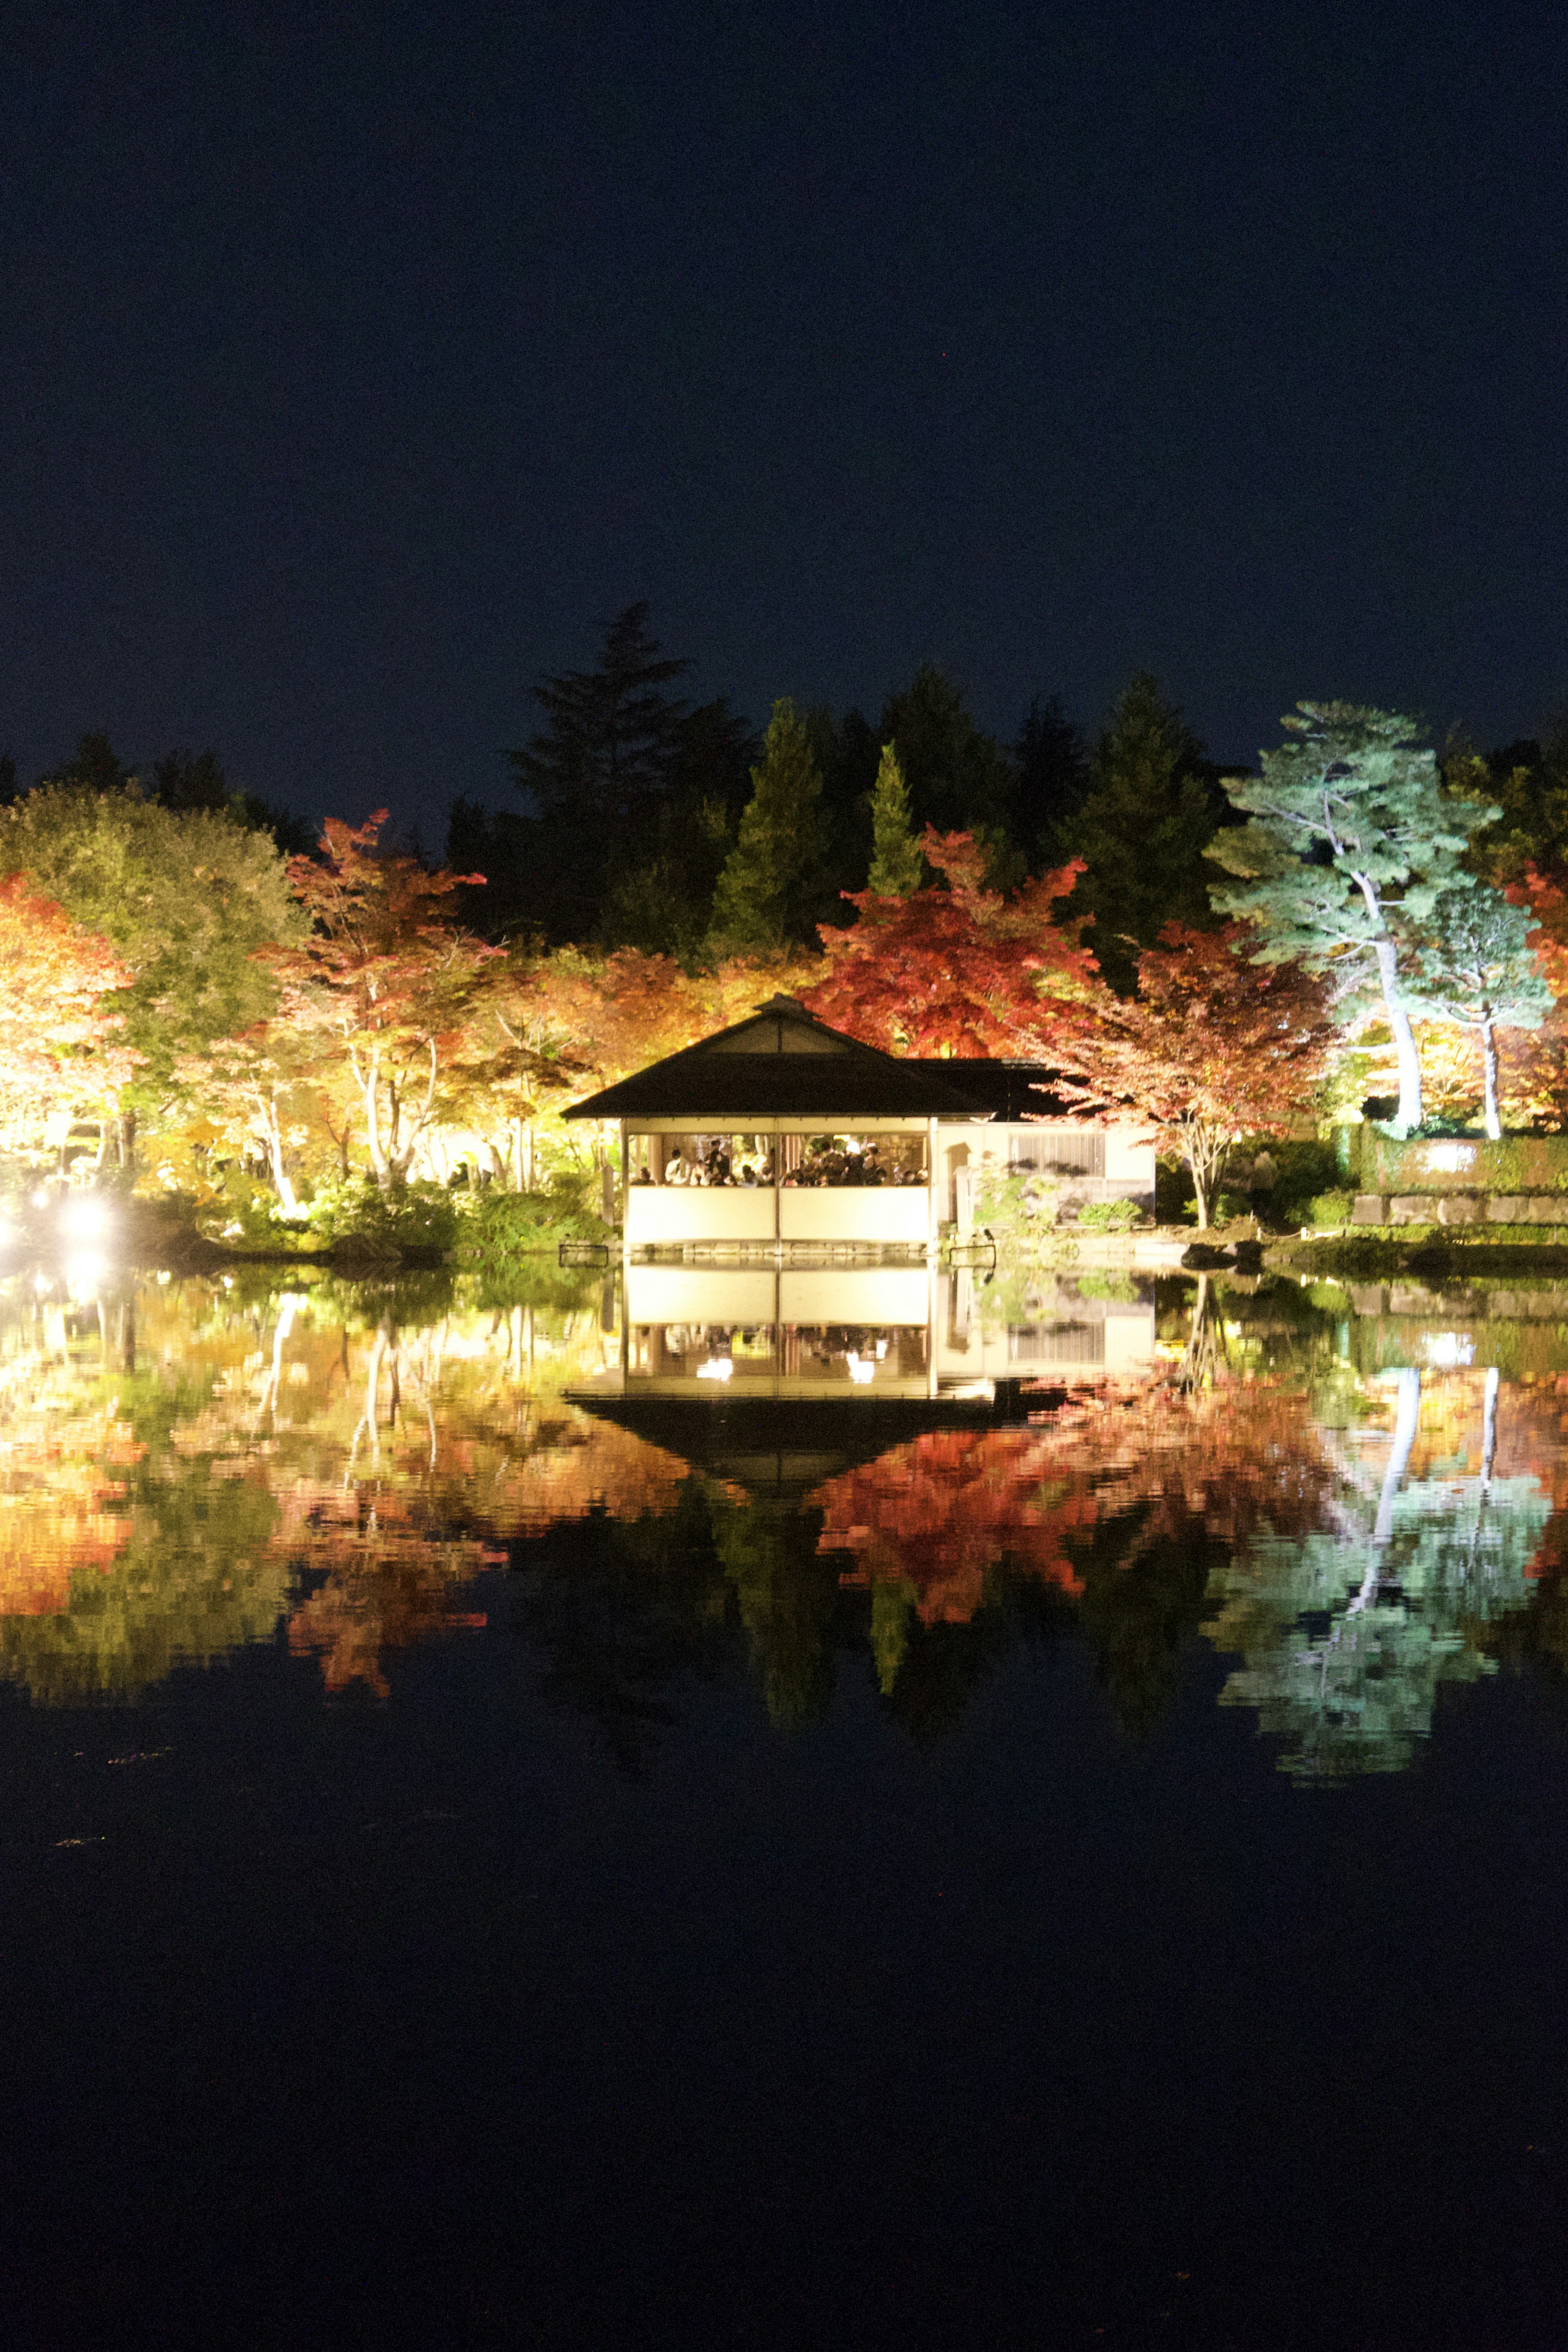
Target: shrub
[498,1227]
[1110,1216]
[1330,1208]
[359,1216]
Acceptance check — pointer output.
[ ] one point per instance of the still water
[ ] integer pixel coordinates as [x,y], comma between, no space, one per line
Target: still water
[938,1812]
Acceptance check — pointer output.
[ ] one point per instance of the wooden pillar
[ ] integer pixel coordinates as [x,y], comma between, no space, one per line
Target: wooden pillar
[930,1188]
[626,1193]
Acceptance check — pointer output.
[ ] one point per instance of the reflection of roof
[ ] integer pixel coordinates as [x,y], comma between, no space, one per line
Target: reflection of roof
[782,1059]
[787,1445]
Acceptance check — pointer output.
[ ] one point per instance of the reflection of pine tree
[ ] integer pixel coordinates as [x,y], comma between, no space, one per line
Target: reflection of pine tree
[621,1612]
[788,1598]
[1347,1634]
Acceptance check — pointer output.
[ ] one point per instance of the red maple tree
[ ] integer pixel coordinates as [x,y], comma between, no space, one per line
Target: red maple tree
[387,973]
[961,970]
[1210,1049]
[1538,1058]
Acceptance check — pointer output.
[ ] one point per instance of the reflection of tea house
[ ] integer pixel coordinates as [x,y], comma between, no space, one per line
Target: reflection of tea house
[781,1136]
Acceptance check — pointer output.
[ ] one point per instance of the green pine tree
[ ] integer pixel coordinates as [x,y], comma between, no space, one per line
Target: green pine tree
[773,887]
[896,861]
[1142,829]
[1473,966]
[1352,841]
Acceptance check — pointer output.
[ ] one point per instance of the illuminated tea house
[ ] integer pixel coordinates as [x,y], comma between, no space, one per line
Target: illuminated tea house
[783,1136]
[785,1187]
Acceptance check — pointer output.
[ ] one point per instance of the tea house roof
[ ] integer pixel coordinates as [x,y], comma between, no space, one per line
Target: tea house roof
[781,1062]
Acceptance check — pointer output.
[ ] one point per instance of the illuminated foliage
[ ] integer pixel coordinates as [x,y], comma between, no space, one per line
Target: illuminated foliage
[62,1036]
[774,882]
[1213,1046]
[1473,967]
[897,864]
[960,969]
[1350,840]
[384,981]
[184,898]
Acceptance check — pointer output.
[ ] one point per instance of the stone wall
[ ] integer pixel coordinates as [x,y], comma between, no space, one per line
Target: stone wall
[1519,1166]
[1490,1209]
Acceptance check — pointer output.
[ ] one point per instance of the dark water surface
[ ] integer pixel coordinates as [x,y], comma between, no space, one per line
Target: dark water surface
[497,1855]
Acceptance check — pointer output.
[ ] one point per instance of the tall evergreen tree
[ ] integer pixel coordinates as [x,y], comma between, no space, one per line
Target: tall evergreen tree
[94,764]
[612,734]
[1142,830]
[774,886]
[960,778]
[897,864]
[1351,841]
[1053,772]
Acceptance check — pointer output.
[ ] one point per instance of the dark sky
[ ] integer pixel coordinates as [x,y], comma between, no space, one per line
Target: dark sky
[357,363]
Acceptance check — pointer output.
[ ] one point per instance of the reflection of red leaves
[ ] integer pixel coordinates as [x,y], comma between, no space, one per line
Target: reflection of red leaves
[936,1514]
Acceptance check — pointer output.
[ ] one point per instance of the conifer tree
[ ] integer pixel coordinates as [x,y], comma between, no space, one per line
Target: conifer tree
[774,885]
[1473,966]
[896,861]
[1142,831]
[1350,843]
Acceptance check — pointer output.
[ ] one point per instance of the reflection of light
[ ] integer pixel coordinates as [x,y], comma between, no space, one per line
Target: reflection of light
[41,1199]
[718,1367]
[1445,1349]
[85,1271]
[861,1372]
[1451,1156]
[85,1217]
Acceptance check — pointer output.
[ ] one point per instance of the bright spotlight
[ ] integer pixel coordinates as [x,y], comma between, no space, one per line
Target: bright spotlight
[85,1218]
[717,1368]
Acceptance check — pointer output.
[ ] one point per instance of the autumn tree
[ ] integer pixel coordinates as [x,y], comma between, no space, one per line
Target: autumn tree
[897,864]
[1350,840]
[62,1038]
[774,880]
[184,897]
[387,976]
[541,1031]
[1212,1047]
[957,968]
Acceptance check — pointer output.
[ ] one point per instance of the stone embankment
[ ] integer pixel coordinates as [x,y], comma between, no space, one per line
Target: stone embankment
[1545,1211]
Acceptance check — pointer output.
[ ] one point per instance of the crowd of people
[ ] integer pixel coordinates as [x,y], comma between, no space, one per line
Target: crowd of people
[826,1161]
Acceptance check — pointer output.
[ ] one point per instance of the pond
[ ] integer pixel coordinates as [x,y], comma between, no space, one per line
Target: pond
[961,1807]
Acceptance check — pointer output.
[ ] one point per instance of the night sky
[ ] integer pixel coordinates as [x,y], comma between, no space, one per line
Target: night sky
[358,364]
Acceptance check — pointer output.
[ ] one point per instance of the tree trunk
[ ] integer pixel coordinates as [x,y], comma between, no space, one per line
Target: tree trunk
[1489,1065]
[1409,1113]
[1205,1161]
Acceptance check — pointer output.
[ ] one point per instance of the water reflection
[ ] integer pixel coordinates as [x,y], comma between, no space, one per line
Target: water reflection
[1353,1498]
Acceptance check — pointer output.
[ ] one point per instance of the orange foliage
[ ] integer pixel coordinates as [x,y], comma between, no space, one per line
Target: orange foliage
[934,1514]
